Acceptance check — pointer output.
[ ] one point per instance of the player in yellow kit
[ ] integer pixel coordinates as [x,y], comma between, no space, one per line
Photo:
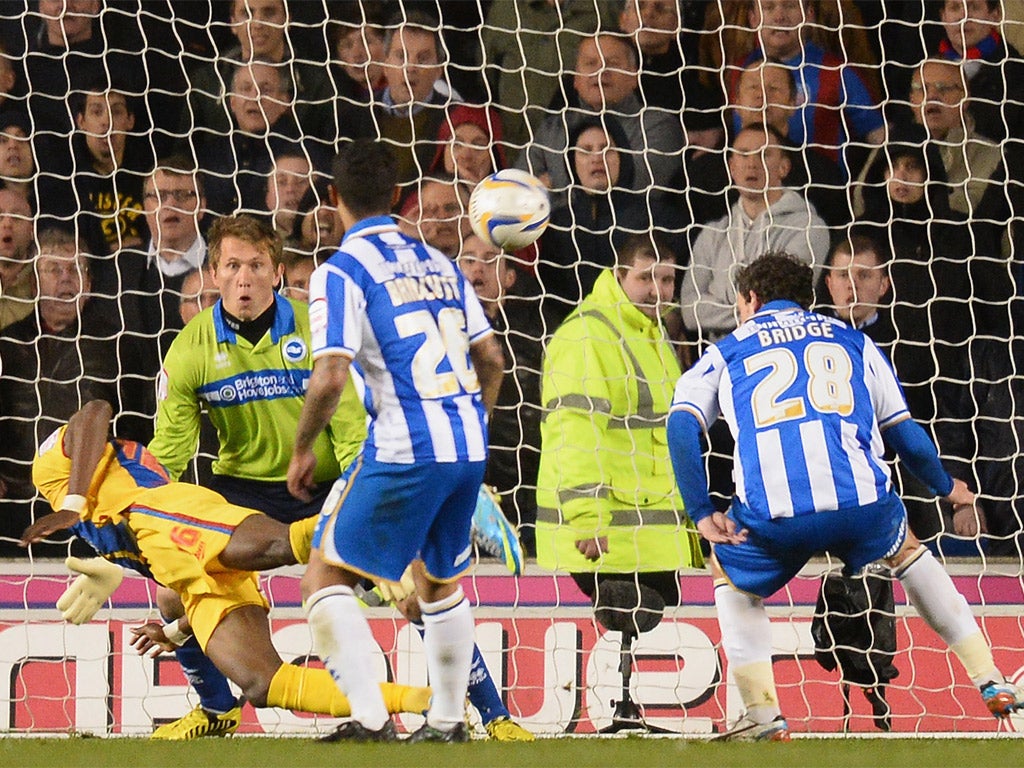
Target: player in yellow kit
[114,494]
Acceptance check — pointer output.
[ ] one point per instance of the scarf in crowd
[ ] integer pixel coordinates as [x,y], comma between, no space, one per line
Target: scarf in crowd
[982,50]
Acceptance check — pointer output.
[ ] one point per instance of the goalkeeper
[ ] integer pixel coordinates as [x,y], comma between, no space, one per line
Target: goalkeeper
[246,359]
[116,496]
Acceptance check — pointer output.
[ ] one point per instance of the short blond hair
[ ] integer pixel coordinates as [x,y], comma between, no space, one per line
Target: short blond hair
[248,229]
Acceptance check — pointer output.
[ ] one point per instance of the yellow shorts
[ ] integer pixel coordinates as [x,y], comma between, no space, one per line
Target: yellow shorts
[181,530]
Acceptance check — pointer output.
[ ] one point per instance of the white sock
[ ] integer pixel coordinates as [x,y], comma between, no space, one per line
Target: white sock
[448,641]
[746,629]
[932,593]
[343,641]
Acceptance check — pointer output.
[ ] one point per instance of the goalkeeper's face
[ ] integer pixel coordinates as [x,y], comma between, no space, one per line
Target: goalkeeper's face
[246,278]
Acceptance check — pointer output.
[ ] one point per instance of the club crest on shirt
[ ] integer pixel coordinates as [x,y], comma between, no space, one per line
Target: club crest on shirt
[294,350]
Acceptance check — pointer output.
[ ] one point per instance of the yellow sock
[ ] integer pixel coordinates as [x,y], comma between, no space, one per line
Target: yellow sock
[307,690]
[314,690]
[300,536]
[405,698]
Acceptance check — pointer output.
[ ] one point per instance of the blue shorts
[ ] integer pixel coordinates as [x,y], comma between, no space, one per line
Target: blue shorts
[776,550]
[381,517]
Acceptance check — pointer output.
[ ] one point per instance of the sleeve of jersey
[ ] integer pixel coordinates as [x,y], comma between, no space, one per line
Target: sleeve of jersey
[864,115]
[477,324]
[914,447]
[684,431]
[337,308]
[176,436]
[697,390]
[886,394]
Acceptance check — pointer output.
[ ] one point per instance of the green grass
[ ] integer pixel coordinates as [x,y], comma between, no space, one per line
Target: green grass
[559,753]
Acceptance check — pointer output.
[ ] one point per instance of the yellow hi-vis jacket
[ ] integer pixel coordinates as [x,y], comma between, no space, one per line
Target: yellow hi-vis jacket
[609,374]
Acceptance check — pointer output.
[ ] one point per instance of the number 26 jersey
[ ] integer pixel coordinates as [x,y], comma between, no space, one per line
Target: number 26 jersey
[405,314]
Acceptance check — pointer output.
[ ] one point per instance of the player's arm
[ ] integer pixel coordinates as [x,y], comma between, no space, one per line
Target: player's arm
[489,363]
[176,437]
[918,452]
[684,447]
[85,439]
[330,373]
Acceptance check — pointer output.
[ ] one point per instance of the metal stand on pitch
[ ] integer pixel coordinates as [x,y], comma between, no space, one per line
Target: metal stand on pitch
[628,608]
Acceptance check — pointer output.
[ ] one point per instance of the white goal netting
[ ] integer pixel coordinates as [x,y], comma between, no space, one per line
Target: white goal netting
[896,128]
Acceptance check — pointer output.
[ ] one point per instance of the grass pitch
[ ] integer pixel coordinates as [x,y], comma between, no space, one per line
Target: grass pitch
[66,752]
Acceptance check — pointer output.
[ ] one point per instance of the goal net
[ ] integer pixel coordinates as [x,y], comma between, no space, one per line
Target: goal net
[879,142]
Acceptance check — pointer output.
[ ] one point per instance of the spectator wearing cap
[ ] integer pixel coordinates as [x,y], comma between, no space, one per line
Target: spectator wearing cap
[469,145]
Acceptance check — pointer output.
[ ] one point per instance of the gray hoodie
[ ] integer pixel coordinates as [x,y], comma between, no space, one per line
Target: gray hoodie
[708,294]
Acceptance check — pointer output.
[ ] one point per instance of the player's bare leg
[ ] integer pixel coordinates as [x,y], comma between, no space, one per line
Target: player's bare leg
[932,592]
[242,649]
[260,543]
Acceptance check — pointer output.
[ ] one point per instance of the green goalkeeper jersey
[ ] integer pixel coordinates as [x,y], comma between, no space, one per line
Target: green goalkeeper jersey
[253,395]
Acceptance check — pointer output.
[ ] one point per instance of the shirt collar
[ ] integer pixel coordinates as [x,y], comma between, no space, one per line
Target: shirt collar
[193,258]
[374,225]
[284,321]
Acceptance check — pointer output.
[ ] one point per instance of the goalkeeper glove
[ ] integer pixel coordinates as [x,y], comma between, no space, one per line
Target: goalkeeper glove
[90,590]
[396,591]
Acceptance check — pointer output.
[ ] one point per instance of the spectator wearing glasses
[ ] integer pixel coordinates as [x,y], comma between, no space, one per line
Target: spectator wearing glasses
[146,283]
[57,358]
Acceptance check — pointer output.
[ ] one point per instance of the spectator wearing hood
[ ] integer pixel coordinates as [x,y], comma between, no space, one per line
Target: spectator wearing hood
[469,145]
[599,212]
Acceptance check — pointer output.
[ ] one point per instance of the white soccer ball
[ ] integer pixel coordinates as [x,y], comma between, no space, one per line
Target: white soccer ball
[509,209]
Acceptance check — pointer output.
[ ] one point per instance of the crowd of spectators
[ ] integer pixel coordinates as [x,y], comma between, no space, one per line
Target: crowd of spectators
[855,135]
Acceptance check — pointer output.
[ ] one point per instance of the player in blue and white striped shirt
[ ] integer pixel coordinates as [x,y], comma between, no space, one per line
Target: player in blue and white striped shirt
[808,400]
[432,368]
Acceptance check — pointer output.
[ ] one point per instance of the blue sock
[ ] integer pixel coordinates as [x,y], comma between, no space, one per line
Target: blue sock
[483,694]
[214,692]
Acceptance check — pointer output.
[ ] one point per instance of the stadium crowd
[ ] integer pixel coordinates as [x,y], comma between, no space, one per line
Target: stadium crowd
[882,143]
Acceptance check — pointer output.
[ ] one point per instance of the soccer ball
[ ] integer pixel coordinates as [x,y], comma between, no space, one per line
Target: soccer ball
[509,209]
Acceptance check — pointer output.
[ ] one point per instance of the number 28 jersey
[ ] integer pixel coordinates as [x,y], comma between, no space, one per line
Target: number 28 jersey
[806,398]
[405,314]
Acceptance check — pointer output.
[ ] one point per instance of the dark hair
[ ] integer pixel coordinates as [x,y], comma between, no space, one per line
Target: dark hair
[415,21]
[100,84]
[859,240]
[365,176]
[178,164]
[613,129]
[777,275]
[771,131]
[778,64]
[649,245]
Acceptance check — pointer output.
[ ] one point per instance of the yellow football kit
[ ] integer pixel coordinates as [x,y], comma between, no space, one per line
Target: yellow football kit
[137,517]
